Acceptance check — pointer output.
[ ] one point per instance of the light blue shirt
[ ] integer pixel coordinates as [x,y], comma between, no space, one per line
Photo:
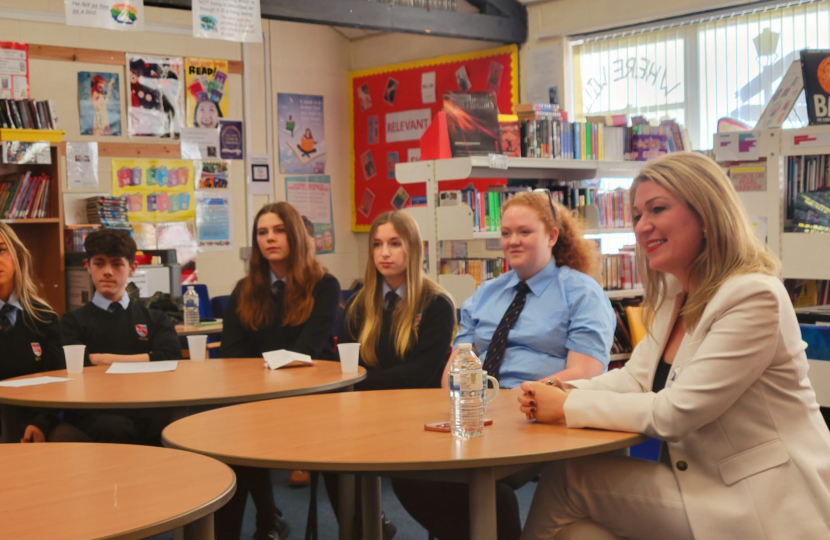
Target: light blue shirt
[12,315]
[565,310]
[400,291]
[275,279]
[102,303]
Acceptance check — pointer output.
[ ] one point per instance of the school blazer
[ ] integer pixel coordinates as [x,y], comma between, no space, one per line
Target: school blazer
[746,440]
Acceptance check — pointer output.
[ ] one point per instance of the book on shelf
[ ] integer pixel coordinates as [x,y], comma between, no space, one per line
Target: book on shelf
[815,68]
[623,342]
[75,235]
[618,272]
[472,123]
[25,196]
[27,114]
[811,212]
[107,211]
[805,174]
[808,292]
[479,269]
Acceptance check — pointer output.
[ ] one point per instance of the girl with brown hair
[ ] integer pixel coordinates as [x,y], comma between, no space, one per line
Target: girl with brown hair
[286,301]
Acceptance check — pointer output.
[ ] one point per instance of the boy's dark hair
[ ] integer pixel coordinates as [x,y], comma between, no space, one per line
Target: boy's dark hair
[110,243]
[309,226]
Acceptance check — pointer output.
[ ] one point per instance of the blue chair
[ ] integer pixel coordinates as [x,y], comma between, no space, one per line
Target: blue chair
[218,305]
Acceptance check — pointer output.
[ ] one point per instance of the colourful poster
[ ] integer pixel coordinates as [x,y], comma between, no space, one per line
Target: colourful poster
[156,105]
[231,20]
[14,70]
[311,196]
[213,221]
[207,96]
[231,139]
[301,133]
[214,175]
[112,15]
[99,103]
[156,190]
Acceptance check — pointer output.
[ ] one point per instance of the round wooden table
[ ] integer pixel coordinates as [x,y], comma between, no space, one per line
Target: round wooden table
[90,491]
[210,382]
[382,433]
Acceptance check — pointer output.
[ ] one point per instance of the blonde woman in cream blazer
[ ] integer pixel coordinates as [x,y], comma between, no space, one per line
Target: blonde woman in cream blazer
[746,453]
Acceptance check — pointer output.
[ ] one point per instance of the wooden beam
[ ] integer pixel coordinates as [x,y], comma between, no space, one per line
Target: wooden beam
[96,56]
[508,27]
[139,150]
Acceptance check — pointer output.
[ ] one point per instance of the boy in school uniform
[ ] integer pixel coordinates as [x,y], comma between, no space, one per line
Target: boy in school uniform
[114,329]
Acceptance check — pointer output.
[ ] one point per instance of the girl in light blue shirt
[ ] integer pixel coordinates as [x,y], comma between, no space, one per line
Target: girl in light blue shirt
[566,327]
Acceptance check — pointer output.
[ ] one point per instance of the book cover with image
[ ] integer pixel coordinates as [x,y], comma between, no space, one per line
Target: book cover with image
[472,123]
[815,67]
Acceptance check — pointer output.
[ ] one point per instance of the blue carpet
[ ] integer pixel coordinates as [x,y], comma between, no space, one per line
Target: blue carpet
[294,504]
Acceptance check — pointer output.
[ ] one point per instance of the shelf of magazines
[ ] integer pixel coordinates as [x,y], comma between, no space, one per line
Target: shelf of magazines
[783,179]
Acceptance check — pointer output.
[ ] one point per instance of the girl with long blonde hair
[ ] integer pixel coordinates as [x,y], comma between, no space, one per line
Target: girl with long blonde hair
[30,334]
[286,301]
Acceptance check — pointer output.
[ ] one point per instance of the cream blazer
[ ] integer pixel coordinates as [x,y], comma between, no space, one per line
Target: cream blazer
[747,443]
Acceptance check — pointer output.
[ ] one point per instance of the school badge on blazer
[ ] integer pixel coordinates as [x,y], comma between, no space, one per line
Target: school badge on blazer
[37,350]
[141,330]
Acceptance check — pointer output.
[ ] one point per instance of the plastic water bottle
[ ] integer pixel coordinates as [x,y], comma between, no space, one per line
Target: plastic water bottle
[466,394]
[191,307]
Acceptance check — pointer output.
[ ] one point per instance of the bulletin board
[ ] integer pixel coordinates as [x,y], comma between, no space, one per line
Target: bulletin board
[391,106]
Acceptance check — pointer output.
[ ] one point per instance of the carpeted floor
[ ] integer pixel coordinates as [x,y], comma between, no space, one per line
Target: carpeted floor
[294,504]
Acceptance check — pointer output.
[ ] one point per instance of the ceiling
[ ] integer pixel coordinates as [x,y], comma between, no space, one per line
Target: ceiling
[352,34]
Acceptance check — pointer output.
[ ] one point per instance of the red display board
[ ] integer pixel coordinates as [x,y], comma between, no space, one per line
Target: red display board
[391,106]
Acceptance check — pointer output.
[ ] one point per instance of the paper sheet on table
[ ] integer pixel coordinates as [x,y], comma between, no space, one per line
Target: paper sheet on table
[120,368]
[34,381]
[283,358]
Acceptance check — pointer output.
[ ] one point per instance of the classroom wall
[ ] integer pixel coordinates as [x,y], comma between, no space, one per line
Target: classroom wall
[314,59]
[57,80]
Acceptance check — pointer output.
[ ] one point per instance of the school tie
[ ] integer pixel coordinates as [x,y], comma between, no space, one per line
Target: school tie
[5,319]
[391,301]
[115,307]
[279,289]
[495,351]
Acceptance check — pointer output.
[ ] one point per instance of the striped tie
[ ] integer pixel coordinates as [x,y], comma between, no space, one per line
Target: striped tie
[495,351]
[5,320]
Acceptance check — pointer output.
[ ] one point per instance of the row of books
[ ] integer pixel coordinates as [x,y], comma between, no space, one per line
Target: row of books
[28,114]
[808,292]
[26,197]
[614,210]
[109,211]
[811,213]
[805,174]
[619,272]
[480,269]
[623,342]
[75,235]
[486,205]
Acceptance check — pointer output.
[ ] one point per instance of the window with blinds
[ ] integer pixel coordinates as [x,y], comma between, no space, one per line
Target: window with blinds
[699,71]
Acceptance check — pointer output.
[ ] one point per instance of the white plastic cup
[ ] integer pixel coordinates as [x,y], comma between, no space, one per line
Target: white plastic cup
[198,347]
[74,355]
[349,357]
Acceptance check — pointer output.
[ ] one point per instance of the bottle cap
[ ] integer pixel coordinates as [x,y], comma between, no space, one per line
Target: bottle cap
[465,346]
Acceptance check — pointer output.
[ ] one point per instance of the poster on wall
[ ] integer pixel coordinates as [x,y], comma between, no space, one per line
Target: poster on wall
[311,196]
[391,108]
[302,137]
[213,221]
[82,165]
[156,190]
[112,15]
[14,70]
[231,20]
[180,236]
[231,139]
[214,175]
[156,104]
[99,103]
[207,97]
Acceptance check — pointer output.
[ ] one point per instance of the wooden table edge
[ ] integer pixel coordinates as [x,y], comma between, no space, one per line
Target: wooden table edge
[635,438]
[181,520]
[321,389]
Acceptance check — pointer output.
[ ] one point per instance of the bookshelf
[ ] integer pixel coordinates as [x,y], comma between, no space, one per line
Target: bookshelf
[803,255]
[444,223]
[44,236]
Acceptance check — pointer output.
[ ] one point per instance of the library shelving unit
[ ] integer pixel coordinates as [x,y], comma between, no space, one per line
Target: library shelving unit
[441,223]
[44,236]
[803,255]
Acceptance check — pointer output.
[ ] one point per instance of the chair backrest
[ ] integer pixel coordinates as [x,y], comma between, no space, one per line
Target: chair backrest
[219,304]
[205,311]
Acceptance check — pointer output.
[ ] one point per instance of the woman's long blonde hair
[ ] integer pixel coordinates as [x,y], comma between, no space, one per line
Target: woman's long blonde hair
[34,307]
[571,249]
[420,290]
[730,245]
[256,303]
